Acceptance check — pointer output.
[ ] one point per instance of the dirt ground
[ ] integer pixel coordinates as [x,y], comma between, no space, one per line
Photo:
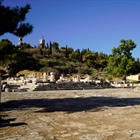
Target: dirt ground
[99,114]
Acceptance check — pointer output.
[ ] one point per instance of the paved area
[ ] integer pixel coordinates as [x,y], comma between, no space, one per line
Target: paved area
[100,114]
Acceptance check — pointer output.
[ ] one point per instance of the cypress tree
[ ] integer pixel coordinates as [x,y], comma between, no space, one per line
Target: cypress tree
[50,52]
[66,52]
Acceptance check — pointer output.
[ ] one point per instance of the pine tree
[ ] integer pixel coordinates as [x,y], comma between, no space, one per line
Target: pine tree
[12,20]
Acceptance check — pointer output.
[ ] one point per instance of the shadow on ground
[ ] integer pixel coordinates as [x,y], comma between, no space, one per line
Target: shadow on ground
[70,105]
[9,122]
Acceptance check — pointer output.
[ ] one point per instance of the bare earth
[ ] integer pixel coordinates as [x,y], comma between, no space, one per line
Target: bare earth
[99,114]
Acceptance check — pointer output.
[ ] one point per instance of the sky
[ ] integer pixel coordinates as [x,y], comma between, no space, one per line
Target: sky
[81,24]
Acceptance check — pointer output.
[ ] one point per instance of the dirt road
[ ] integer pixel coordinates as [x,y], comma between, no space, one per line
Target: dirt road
[100,114]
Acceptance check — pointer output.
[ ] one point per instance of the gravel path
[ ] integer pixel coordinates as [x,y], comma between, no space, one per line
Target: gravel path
[100,114]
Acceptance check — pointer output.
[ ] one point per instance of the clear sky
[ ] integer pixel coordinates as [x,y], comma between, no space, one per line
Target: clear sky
[95,24]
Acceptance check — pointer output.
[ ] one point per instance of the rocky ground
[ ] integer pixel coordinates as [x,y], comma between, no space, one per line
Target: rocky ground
[97,114]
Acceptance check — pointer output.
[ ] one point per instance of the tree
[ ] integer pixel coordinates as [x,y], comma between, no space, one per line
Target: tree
[6,50]
[47,46]
[137,66]
[26,46]
[50,49]
[103,59]
[76,55]
[55,45]
[90,58]
[66,52]
[121,61]
[12,20]
[69,50]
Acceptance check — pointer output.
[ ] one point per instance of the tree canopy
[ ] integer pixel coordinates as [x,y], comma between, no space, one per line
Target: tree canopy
[12,20]
[121,61]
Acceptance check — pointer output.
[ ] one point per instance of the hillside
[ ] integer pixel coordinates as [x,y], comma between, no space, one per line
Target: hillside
[40,59]
[67,61]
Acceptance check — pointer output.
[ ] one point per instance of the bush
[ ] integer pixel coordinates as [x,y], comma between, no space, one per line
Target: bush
[110,77]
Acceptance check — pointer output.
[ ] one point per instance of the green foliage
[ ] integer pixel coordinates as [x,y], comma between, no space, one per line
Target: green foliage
[55,45]
[66,52]
[84,70]
[69,50]
[57,55]
[50,49]
[110,77]
[6,50]
[12,20]
[26,46]
[76,55]
[90,59]
[98,60]
[136,67]
[84,62]
[121,62]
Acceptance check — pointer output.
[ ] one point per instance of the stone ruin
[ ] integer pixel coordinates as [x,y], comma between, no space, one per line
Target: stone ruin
[37,81]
